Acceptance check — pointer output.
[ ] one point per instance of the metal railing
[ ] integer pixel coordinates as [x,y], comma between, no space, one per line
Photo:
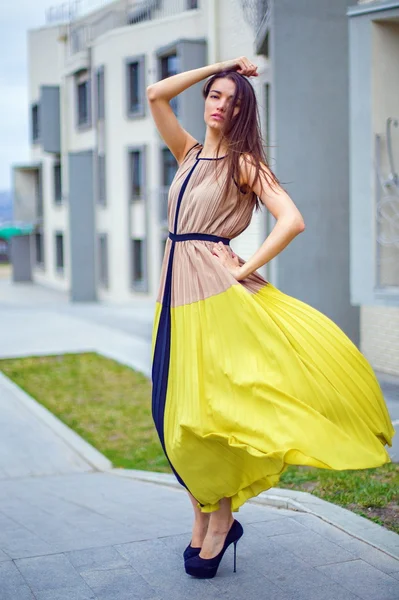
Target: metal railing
[120,14]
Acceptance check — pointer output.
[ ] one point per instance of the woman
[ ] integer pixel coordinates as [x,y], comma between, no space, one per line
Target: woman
[246,380]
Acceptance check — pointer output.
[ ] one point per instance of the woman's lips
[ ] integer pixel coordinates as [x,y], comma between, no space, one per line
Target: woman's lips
[218,117]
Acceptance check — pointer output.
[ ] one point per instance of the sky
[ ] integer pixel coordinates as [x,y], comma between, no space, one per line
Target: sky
[16,17]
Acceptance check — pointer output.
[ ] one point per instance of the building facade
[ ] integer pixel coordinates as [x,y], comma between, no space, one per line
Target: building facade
[374,184]
[98,179]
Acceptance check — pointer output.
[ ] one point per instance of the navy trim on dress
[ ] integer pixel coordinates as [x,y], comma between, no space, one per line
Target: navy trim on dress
[205,237]
[161,359]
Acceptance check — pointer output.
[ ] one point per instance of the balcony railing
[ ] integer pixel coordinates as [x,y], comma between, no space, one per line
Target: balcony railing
[121,14]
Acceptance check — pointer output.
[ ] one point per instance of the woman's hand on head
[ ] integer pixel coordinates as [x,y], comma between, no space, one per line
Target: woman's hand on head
[228,259]
[241,65]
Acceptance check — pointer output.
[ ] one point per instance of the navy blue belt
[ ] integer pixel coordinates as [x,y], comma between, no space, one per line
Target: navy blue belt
[206,237]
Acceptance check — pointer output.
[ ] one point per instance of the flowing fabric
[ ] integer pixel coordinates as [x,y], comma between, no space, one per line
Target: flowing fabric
[246,379]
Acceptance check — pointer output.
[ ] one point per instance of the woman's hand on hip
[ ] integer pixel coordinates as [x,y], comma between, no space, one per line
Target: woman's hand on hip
[228,259]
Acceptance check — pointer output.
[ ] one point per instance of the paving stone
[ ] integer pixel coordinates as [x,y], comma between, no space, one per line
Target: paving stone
[20,542]
[279,527]
[313,548]
[12,584]
[319,526]
[324,592]
[185,587]
[362,579]
[49,572]
[254,588]
[152,560]
[4,556]
[371,555]
[119,584]
[96,558]
[67,593]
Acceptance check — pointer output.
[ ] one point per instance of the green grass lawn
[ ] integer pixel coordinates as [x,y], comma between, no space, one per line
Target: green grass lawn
[109,405]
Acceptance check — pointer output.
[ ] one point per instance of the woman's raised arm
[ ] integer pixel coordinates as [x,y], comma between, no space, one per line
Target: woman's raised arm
[159,94]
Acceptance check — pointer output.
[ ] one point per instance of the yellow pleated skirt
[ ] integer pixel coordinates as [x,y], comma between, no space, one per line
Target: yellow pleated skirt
[257,382]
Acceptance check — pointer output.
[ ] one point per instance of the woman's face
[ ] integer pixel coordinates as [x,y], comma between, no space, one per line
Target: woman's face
[218,101]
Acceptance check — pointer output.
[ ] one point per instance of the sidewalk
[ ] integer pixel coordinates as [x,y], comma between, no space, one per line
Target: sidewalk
[72,528]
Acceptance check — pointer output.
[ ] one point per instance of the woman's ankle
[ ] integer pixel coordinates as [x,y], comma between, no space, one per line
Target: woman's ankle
[220,526]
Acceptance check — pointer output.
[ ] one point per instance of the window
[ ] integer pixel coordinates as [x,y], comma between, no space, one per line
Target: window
[39,249]
[101,179]
[59,251]
[138,264]
[103,260]
[169,168]
[191,4]
[135,87]
[100,94]
[57,183]
[39,195]
[169,67]
[136,175]
[35,123]
[83,100]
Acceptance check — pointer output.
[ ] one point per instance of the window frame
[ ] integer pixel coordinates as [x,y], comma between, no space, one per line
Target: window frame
[35,122]
[58,199]
[133,198]
[139,285]
[137,111]
[59,268]
[83,78]
[164,187]
[100,93]
[40,264]
[163,54]
[103,266]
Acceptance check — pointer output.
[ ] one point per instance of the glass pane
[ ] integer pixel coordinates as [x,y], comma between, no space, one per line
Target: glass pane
[169,167]
[82,103]
[57,183]
[138,270]
[59,241]
[134,86]
[100,95]
[136,171]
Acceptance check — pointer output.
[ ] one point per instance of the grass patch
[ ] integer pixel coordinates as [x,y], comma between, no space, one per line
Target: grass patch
[109,405]
[372,493]
[106,403]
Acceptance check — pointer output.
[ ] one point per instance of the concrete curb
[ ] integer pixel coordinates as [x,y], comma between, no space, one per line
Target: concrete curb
[85,450]
[349,522]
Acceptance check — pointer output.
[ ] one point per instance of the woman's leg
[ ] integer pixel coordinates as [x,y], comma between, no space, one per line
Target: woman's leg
[219,524]
[200,526]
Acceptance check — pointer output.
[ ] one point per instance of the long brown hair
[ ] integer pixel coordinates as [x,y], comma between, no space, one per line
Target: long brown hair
[242,135]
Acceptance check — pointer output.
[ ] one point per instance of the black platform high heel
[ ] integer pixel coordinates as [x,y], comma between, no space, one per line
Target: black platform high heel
[190,552]
[206,568]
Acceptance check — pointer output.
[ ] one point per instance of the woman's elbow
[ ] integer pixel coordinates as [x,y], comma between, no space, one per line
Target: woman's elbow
[151,93]
[298,224]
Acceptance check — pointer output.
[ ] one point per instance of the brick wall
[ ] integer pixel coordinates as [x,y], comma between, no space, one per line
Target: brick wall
[379,337]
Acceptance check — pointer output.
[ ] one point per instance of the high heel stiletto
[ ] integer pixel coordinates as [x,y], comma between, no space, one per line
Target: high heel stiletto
[190,552]
[206,568]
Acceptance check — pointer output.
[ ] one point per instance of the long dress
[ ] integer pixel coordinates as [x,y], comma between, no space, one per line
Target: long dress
[246,379]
